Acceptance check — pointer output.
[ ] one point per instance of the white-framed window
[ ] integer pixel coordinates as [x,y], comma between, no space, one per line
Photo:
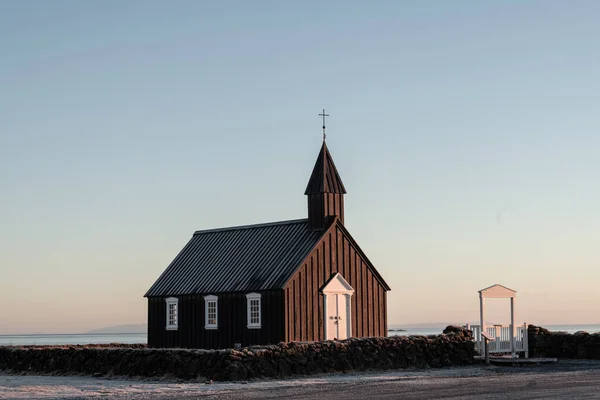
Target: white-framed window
[172,312]
[211,312]
[254,314]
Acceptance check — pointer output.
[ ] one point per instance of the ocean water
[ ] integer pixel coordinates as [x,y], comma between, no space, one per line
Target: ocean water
[590,328]
[416,331]
[14,340]
[19,340]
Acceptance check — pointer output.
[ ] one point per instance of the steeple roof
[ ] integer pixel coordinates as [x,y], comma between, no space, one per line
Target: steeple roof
[324,177]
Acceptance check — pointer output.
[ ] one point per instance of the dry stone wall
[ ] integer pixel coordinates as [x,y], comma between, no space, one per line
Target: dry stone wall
[545,343]
[282,360]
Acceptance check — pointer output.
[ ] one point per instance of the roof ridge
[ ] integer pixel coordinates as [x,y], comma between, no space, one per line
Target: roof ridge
[251,226]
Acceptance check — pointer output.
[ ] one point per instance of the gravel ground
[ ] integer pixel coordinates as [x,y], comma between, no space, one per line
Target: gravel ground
[569,379]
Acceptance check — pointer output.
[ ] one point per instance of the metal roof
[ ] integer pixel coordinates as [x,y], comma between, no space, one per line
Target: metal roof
[243,258]
[325,177]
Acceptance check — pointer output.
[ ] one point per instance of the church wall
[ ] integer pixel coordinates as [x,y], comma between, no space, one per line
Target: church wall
[232,321]
[304,319]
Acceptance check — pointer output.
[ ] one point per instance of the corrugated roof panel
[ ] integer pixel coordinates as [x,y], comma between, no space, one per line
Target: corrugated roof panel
[245,258]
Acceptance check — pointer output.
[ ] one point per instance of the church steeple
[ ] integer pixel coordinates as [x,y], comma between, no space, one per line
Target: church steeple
[325,191]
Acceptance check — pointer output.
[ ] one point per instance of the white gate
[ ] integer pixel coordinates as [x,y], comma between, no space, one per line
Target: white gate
[504,341]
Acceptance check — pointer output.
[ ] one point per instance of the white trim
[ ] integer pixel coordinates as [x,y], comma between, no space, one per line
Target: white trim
[207,300]
[348,314]
[325,314]
[497,291]
[172,301]
[250,297]
[337,284]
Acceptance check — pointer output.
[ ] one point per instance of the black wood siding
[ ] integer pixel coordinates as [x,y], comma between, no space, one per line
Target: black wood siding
[232,321]
[322,206]
[304,309]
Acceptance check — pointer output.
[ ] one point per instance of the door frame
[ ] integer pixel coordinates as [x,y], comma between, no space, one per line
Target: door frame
[337,285]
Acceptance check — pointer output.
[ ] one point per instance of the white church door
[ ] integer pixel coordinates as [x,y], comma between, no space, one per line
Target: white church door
[338,298]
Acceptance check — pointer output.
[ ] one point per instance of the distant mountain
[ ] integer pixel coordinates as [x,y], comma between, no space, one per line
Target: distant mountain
[131,328]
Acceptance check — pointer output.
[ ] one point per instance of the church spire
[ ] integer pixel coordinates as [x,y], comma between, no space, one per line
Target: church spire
[325,191]
[325,177]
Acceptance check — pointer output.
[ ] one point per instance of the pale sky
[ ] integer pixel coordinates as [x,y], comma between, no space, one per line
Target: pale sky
[466,134]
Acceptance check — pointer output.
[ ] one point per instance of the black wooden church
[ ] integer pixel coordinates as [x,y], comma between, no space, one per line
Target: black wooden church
[298,280]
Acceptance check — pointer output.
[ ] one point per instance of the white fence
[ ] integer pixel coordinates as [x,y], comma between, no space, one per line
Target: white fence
[504,341]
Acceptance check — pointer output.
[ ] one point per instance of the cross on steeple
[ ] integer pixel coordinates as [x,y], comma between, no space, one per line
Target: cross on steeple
[324,115]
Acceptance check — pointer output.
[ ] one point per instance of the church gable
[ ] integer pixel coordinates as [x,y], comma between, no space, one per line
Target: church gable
[336,252]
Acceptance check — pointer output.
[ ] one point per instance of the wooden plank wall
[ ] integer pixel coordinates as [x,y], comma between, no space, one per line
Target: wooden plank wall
[304,312]
[322,206]
[232,321]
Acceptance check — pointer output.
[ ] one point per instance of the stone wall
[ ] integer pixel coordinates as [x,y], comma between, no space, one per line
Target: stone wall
[544,343]
[285,359]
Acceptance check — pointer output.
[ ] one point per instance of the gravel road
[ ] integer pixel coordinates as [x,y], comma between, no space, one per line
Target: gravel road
[569,379]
